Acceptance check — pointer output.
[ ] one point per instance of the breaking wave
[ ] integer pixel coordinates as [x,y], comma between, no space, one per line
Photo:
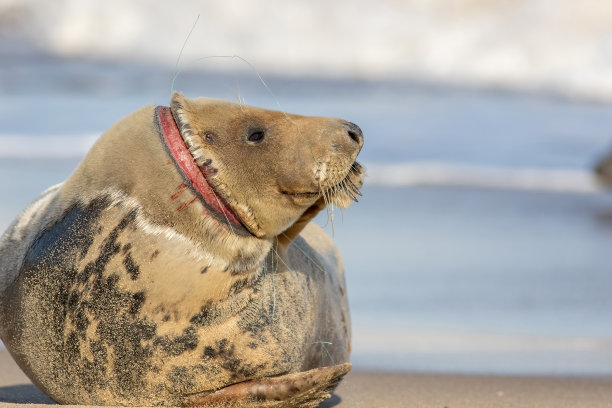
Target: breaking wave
[525,44]
[460,175]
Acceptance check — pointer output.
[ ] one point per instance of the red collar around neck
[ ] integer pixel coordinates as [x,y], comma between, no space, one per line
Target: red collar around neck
[188,167]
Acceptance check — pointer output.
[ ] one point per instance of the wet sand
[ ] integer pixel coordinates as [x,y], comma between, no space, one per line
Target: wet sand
[382,390]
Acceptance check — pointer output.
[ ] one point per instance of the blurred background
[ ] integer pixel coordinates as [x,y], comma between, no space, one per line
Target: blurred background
[482,244]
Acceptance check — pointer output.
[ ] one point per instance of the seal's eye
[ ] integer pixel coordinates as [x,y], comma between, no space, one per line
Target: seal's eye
[255,136]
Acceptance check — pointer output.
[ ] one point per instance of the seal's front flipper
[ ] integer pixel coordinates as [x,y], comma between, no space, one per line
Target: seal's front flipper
[298,390]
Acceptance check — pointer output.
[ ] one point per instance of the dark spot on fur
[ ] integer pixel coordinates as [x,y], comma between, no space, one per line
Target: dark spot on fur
[204,270]
[126,248]
[86,244]
[73,345]
[205,316]
[252,345]
[131,267]
[73,300]
[79,318]
[238,286]
[166,318]
[110,247]
[225,354]
[98,349]
[260,396]
[209,137]
[154,254]
[175,346]
[255,323]
[139,298]
[209,352]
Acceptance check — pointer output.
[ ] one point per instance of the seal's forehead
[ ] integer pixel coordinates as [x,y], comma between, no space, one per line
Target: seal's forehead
[224,108]
[210,113]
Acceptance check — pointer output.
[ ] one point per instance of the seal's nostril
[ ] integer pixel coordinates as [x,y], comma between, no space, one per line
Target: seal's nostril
[354,133]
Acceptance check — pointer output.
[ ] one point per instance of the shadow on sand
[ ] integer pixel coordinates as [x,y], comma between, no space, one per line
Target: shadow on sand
[29,394]
[331,402]
[23,394]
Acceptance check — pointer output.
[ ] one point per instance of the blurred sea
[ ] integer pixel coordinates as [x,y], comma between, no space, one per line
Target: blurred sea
[481,243]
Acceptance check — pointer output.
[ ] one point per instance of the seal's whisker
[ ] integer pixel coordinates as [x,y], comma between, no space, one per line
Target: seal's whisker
[324,194]
[352,191]
[327,197]
[328,194]
[274,270]
[328,209]
[351,186]
[177,71]
[345,189]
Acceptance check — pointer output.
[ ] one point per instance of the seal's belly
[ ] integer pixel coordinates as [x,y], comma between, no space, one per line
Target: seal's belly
[121,307]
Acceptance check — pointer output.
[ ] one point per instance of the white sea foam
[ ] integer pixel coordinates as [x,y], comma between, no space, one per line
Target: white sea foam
[560,46]
[370,339]
[45,147]
[460,175]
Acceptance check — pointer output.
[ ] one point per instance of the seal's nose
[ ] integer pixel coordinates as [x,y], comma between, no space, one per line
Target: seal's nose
[355,133]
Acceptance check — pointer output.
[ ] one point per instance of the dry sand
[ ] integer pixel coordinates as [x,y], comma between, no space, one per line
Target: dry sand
[381,390]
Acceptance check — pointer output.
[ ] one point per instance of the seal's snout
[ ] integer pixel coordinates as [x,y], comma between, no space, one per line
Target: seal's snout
[354,133]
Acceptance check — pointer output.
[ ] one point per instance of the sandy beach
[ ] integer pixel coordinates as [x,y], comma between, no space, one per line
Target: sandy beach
[381,390]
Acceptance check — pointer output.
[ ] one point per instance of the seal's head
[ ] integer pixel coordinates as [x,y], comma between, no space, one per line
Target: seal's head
[268,166]
[603,170]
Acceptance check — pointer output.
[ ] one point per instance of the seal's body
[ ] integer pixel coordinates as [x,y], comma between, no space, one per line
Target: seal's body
[177,265]
[603,170]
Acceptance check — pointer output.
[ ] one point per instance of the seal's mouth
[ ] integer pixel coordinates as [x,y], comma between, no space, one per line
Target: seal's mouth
[342,193]
[301,195]
[194,175]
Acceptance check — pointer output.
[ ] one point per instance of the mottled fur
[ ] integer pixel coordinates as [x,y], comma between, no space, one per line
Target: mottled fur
[118,287]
